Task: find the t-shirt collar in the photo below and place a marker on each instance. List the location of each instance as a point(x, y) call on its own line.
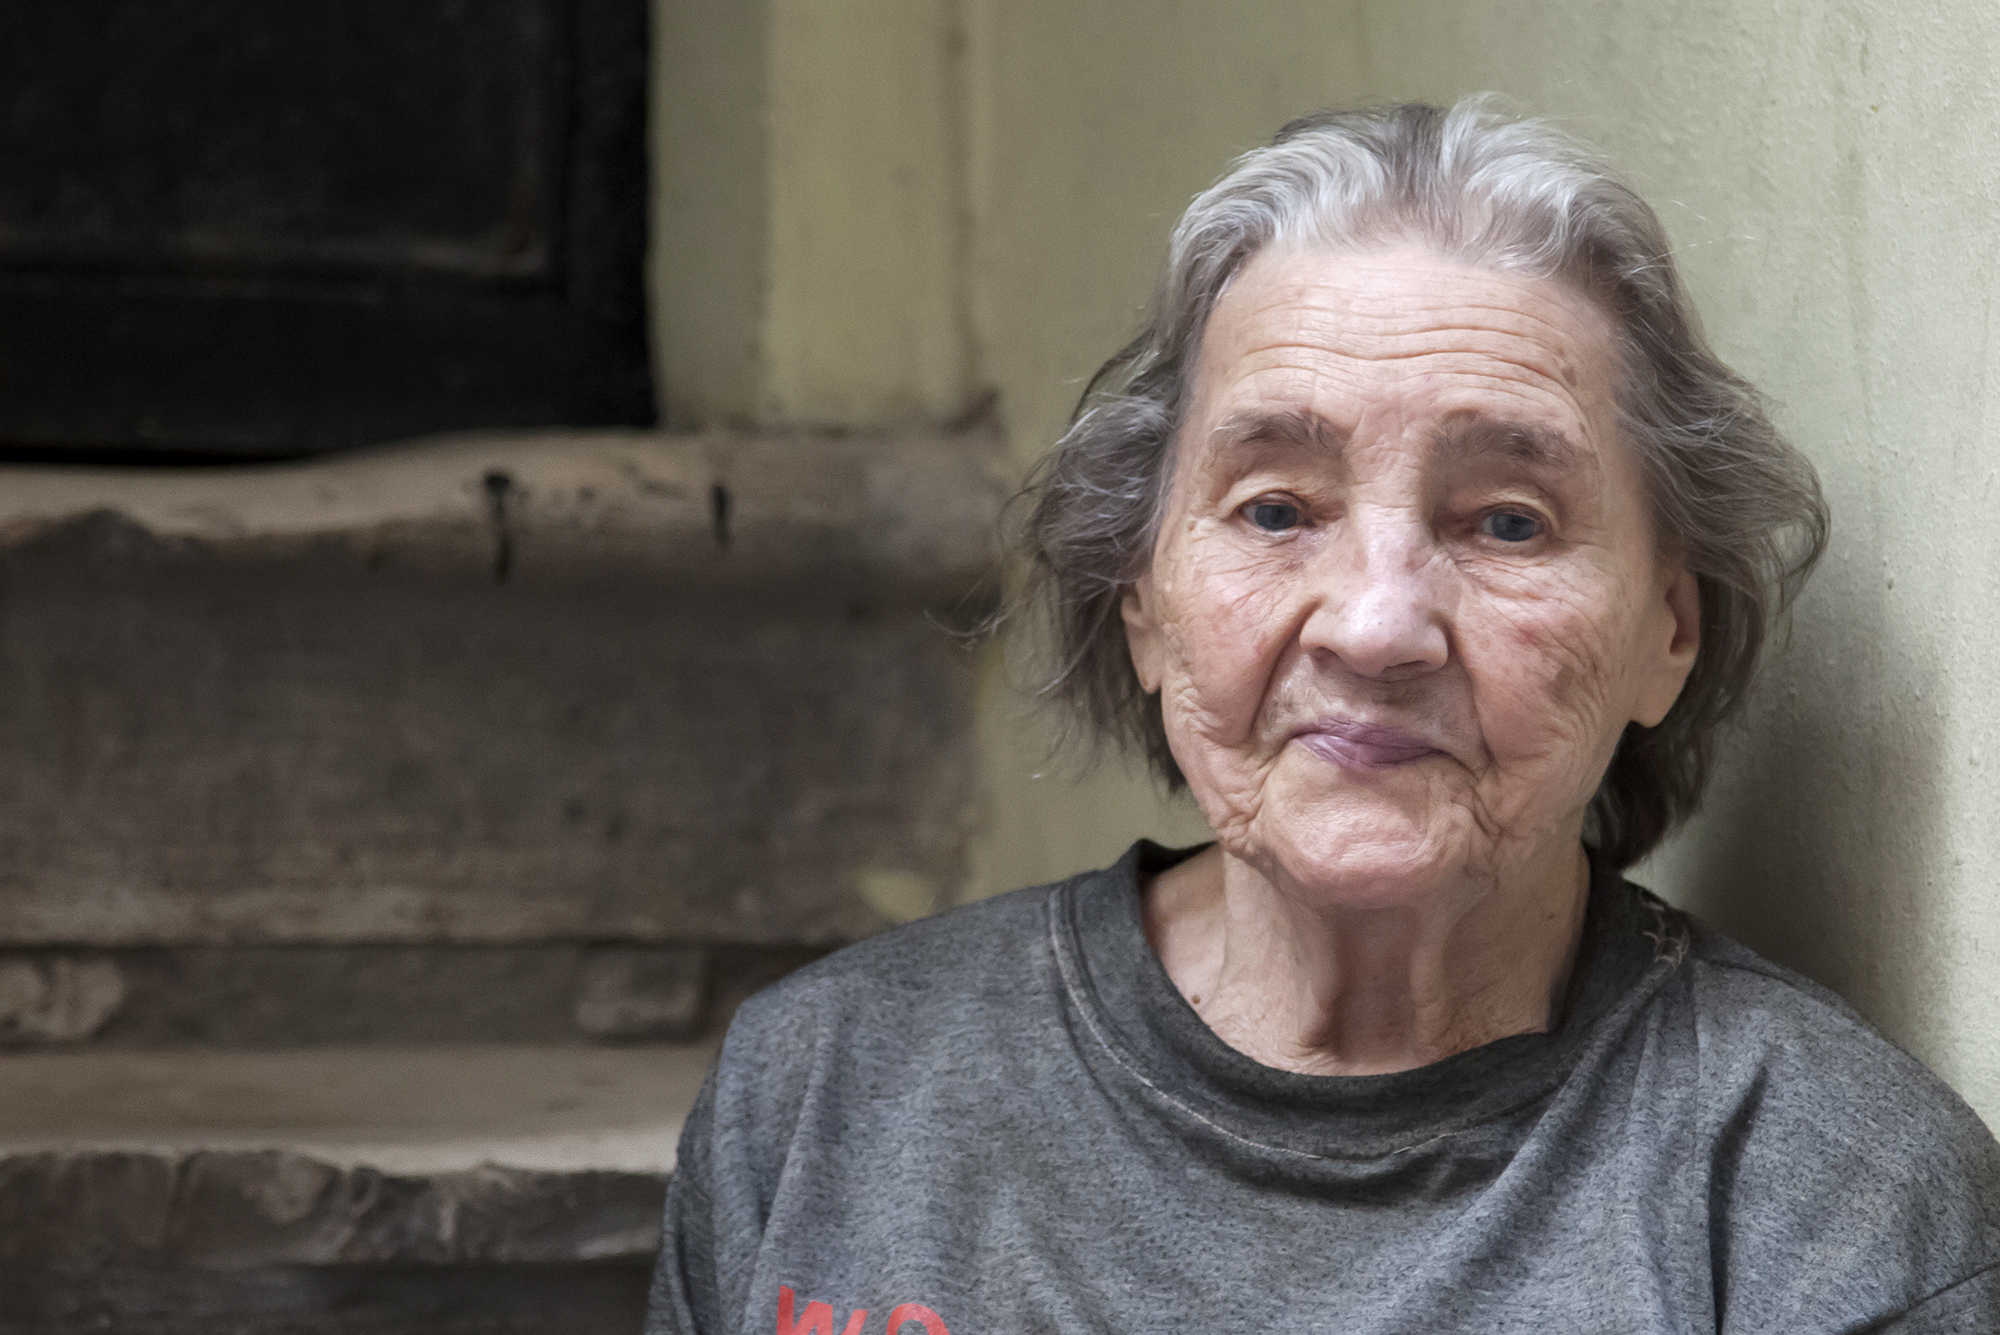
point(1122, 980)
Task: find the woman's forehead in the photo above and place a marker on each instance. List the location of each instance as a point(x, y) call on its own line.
point(1340, 332)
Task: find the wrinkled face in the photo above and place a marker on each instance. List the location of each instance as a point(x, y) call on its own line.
point(1405, 596)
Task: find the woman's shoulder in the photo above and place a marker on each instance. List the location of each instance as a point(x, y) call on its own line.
point(1767, 1027)
point(998, 951)
point(970, 973)
point(1826, 1133)
point(963, 949)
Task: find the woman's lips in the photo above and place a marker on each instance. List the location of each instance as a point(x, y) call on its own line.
point(1363, 745)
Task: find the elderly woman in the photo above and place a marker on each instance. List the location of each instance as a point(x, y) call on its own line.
point(1422, 538)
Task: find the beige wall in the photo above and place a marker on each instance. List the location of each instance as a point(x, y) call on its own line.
point(1093, 123)
point(1830, 174)
point(809, 197)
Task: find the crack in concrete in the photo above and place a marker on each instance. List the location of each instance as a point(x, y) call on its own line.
point(720, 502)
point(500, 488)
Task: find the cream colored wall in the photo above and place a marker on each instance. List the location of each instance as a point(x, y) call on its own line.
point(710, 207)
point(809, 260)
point(866, 319)
point(1830, 172)
point(1093, 123)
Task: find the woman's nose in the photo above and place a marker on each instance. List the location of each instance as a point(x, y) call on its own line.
point(1377, 601)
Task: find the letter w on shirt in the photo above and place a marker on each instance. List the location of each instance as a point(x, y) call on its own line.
point(818, 1318)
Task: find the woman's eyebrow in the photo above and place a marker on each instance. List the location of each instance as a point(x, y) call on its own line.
point(1289, 429)
point(1541, 448)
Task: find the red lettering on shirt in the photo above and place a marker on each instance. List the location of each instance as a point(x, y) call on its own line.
point(818, 1318)
point(932, 1322)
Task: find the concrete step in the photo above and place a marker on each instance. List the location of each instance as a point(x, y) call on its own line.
point(455, 1154)
point(661, 690)
point(300, 996)
point(512, 1299)
point(353, 807)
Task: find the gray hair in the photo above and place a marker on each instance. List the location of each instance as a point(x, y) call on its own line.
point(1730, 499)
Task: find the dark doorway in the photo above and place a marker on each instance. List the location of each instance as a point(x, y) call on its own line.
point(236, 229)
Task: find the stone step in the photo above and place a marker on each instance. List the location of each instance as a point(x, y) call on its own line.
point(490, 1189)
point(431, 1154)
point(287, 996)
point(590, 1298)
point(607, 686)
point(324, 777)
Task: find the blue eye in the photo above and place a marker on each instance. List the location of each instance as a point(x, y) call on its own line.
point(1511, 526)
point(1274, 516)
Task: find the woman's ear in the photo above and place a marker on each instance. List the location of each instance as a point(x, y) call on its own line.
point(1672, 640)
point(1139, 606)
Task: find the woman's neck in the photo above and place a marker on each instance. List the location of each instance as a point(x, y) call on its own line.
point(1302, 982)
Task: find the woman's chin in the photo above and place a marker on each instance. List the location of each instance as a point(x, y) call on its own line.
point(1361, 858)
point(1371, 878)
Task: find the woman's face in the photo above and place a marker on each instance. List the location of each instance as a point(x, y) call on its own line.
point(1405, 595)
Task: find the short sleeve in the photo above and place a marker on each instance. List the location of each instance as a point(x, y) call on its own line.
point(1851, 1190)
point(686, 1297)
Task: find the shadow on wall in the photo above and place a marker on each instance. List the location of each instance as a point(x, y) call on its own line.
point(1816, 845)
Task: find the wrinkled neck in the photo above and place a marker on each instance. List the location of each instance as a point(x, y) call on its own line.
point(1307, 979)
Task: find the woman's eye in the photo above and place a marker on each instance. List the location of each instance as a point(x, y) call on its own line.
point(1511, 526)
point(1274, 516)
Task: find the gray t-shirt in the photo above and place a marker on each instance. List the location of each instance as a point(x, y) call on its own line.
point(1006, 1119)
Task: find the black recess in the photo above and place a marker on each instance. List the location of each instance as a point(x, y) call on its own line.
point(239, 229)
